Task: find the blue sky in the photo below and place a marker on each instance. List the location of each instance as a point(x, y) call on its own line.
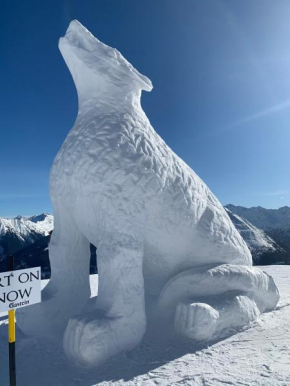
point(221, 97)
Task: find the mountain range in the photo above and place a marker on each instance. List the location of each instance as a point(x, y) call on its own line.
point(27, 239)
point(274, 222)
point(265, 249)
point(19, 232)
point(266, 232)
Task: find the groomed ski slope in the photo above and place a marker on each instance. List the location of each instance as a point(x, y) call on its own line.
point(259, 355)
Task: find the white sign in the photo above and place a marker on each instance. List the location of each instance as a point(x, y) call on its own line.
point(20, 288)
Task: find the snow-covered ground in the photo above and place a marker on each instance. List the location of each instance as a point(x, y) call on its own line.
point(258, 355)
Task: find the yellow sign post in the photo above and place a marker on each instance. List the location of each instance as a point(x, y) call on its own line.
point(11, 334)
point(11, 325)
point(20, 288)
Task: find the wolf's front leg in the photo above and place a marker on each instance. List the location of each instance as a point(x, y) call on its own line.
point(118, 320)
point(69, 287)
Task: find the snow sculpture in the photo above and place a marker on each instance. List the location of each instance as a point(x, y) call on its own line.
point(162, 238)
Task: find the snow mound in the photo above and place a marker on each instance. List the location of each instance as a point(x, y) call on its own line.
point(117, 185)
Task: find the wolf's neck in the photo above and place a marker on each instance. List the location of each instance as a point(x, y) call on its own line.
point(106, 103)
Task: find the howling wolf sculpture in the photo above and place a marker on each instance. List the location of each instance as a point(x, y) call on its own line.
point(166, 247)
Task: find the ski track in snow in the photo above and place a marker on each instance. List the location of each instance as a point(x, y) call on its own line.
point(258, 355)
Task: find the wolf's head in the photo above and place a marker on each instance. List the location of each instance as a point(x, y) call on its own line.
point(96, 68)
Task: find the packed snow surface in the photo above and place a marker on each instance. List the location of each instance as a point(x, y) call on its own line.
point(165, 244)
point(258, 355)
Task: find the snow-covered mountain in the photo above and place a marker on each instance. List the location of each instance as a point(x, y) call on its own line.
point(264, 218)
point(36, 255)
point(263, 248)
point(266, 232)
point(43, 221)
point(275, 222)
point(28, 238)
point(19, 232)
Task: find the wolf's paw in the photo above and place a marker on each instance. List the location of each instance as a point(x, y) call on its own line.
point(196, 321)
point(50, 317)
point(91, 341)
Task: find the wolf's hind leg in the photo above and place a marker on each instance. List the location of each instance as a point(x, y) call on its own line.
point(204, 322)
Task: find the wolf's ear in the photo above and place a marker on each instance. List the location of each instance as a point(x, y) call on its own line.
point(145, 82)
point(142, 80)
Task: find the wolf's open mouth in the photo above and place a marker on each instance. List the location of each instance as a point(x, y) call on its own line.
point(80, 37)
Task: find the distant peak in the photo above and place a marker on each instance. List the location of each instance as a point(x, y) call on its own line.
point(282, 208)
point(39, 217)
point(233, 206)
